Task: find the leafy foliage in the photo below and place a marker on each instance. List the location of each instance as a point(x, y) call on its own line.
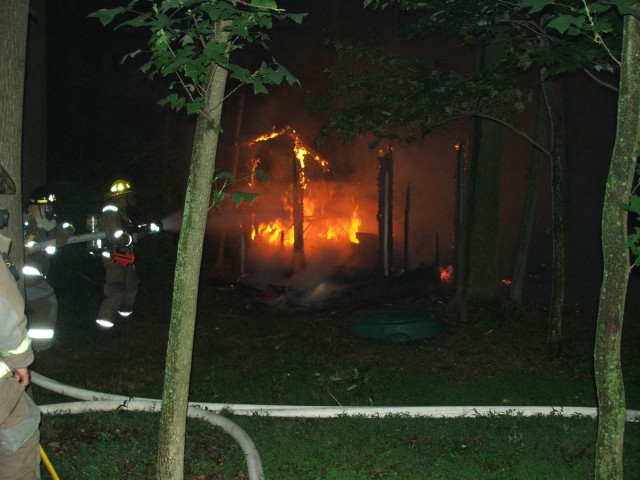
point(182, 43)
point(634, 238)
point(403, 97)
point(556, 35)
point(223, 180)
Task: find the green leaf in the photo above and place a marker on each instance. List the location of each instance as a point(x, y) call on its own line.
point(258, 87)
point(264, 4)
point(239, 197)
point(634, 204)
point(194, 107)
point(563, 22)
point(625, 7)
point(228, 176)
point(217, 197)
point(261, 175)
point(535, 5)
point(139, 21)
point(297, 17)
point(106, 15)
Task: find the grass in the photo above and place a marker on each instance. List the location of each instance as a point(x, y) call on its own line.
point(121, 445)
point(247, 353)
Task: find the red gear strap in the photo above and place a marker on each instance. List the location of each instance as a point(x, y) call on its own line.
point(123, 259)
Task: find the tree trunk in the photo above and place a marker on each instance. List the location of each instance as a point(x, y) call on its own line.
point(528, 210)
point(482, 205)
point(458, 235)
point(385, 212)
point(175, 395)
point(608, 369)
point(558, 180)
point(465, 191)
point(34, 136)
point(485, 224)
point(234, 172)
point(14, 15)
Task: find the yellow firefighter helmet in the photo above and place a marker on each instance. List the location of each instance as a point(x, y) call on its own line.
point(118, 188)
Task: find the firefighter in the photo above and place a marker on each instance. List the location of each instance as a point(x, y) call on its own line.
point(121, 279)
point(19, 416)
point(41, 224)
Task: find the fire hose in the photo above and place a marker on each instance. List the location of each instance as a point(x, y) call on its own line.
point(48, 465)
point(98, 401)
point(105, 402)
point(87, 237)
point(84, 237)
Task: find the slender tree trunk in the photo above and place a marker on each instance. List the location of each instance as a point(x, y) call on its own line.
point(14, 15)
point(528, 210)
point(558, 180)
point(297, 198)
point(608, 369)
point(407, 211)
point(234, 171)
point(458, 233)
point(466, 191)
point(385, 212)
point(175, 395)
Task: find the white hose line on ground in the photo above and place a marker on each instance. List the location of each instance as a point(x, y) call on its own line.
point(295, 411)
point(100, 402)
point(254, 465)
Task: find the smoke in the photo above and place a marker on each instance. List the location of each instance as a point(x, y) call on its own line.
point(173, 222)
point(349, 186)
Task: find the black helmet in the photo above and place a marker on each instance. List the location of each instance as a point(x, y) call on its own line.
point(42, 196)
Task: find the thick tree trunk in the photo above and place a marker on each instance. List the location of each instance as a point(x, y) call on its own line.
point(175, 396)
point(14, 15)
point(485, 224)
point(528, 210)
point(608, 369)
point(34, 137)
point(558, 180)
point(481, 216)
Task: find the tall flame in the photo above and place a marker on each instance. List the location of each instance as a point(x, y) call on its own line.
point(317, 225)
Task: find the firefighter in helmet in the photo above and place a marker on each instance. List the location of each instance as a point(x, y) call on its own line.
point(19, 416)
point(41, 225)
point(118, 257)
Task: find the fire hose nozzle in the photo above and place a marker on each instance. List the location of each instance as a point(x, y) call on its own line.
point(151, 227)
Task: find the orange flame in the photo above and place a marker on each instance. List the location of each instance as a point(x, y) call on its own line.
point(317, 226)
point(254, 164)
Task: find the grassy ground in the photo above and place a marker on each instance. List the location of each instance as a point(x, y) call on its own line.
point(246, 352)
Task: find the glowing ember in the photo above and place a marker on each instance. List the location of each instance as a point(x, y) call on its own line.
point(446, 274)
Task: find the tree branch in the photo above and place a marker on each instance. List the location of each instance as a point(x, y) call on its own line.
point(507, 125)
point(598, 81)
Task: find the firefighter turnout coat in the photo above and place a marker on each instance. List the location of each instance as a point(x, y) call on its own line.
point(19, 416)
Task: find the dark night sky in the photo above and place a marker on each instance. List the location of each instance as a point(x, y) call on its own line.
point(104, 123)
